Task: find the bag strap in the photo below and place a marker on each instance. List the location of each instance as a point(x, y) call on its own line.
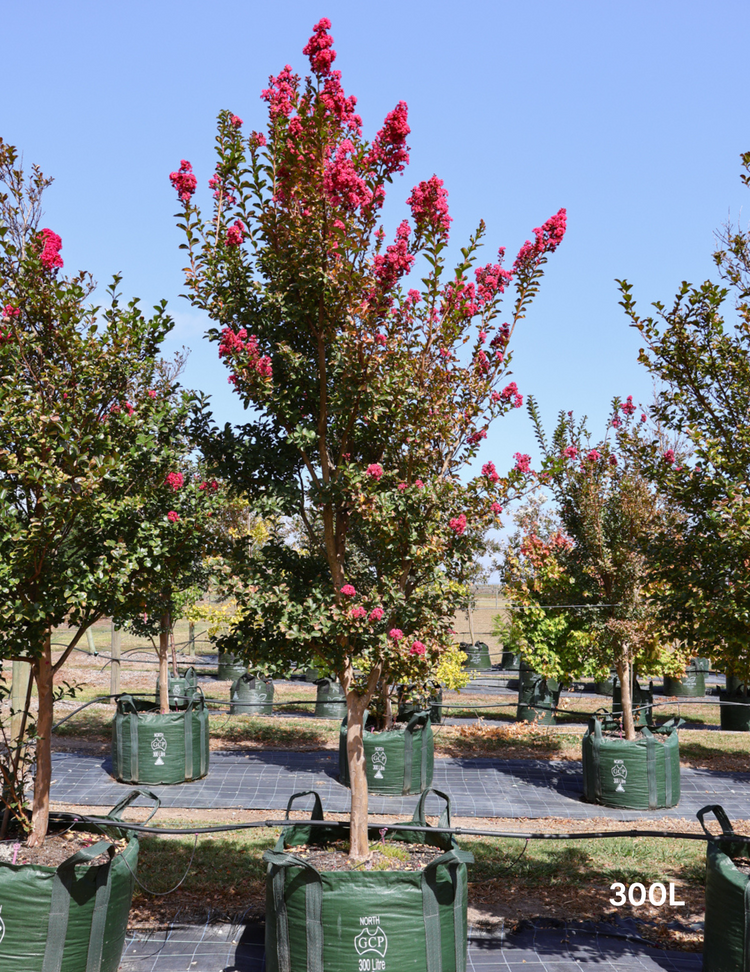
point(60, 909)
point(203, 722)
point(117, 810)
point(419, 815)
point(134, 743)
point(595, 734)
point(653, 797)
point(727, 830)
point(188, 735)
point(452, 859)
point(278, 862)
point(317, 810)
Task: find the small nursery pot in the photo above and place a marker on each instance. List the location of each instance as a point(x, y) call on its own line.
point(398, 762)
point(477, 655)
point(230, 667)
point(344, 921)
point(181, 688)
point(70, 918)
point(251, 695)
point(330, 699)
point(148, 747)
point(642, 774)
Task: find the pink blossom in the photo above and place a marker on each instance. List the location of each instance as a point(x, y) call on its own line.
point(342, 183)
point(320, 48)
point(389, 147)
point(643, 417)
point(381, 339)
point(396, 633)
point(235, 121)
point(175, 480)
point(628, 408)
point(257, 140)
point(401, 486)
point(668, 456)
point(348, 591)
point(429, 206)
point(357, 612)
point(280, 93)
point(235, 233)
point(523, 462)
point(184, 181)
point(476, 437)
point(612, 459)
point(419, 484)
point(151, 393)
point(172, 516)
point(593, 456)
point(417, 648)
point(127, 407)
point(482, 362)
point(9, 312)
point(511, 392)
point(488, 470)
point(396, 261)
point(570, 452)
point(616, 423)
point(376, 614)
point(492, 279)
point(496, 509)
point(375, 470)
point(547, 239)
point(338, 106)
point(458, 524)
point(115, 410)
point(51, 245)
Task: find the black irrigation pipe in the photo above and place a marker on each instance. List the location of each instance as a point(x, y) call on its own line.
point(65, 816)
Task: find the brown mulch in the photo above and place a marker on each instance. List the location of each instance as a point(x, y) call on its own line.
point(55, 849)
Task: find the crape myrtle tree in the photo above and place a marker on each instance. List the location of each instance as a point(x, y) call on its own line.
point(609, 515)
point(372, 396)
point(91, 437)
point(699, 350)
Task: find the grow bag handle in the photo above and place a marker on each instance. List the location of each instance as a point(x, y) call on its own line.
point(116, 812)
point(190, 672)
point(317, 810)
point(419, 718)
point(198, 696)
point(670, 726)
point(720, 813)
point(278, 861)
point(445, 817)
point(126, 703)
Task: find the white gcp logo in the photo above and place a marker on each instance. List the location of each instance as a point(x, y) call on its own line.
point(371, 940)
point(620, 774)
point(379, 759)
point(159, 747)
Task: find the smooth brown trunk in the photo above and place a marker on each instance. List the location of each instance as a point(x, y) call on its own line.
point(164, 663)
point(355, 753)
point(387, 707)
point(42, 670)
point(470, 619)
point(623, 673)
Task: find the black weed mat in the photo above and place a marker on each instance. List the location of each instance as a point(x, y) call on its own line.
point(543, 946)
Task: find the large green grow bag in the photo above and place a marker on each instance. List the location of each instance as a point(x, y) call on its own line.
point(330, 699)
point(510, 661)
point(537, 698)
point(640, 775)
point(148, 747)
point(251, 695)
point(606, 686)
point(230, 667)
point(734, 685)
point(366, 921)
point(691, 686)
point(477, 655)
point(734, 711)
point(181, 688)
point(642, 703)
point(71, 918)
point(398, 762)
point(726, 934)
point(414, 698)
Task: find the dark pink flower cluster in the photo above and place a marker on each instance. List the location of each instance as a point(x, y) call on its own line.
point(51, 246)
point(458, 524)
point(243, 345)
point(175, 480)
point(235, 121)
point(396, 261)
point(357, 612)
point(496, 508)
point(492, 279)
point(419, 484)
point(342, 183)
point(216, 182)
point(396, 633)
point(570, 452)
point(348, 591)
point(337, 105)
point(235, 233)
point(417, 648)
point(488, 470)
point(476, 437)
point(628, 407)
point(9, 312)
point(172, 516)
point(280, 93)
point(401, 487)
point(482, 362)
point(257, 140)
point(643, 417)
point(184, 181)
point(593, 456)
point(429, 206)
point(376, 614)
point(212, 486)
point(523, 462)
point(616, 423)
point(375, 470)
point(668, 457)
point(389, 148)
point(320, 48)
point(128, 408)
point(511, 392)
point(612, 459)
point(151, 393)
point(547, 239)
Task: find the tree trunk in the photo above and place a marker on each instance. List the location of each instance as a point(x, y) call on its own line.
point(355, 753)
point(164, 663)
point(42, 670)
point(387, 707)
point(622, 668)
point(470, 619)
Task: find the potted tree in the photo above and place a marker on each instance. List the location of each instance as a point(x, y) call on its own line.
point(370, 397)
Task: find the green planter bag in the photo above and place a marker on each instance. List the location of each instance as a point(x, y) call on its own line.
point(734, 711)
point(477, 655)
point(330, 701)
point(643, 700)
point(510, 662)
point(726, 935)
point(230, 667)
point(251, 695)
point(312, 674)
point(148, 747)
point(606, 686)
point(691, 686)
point(410, 702)
point(70, 918)
point(537, 698)
point(734, 685)
point(181, 688)
point(347, 921)
point(398, 762)
point(640, 775)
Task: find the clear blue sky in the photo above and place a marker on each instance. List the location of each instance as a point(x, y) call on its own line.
point(632, 116)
